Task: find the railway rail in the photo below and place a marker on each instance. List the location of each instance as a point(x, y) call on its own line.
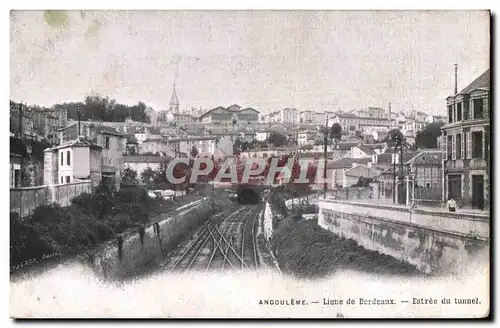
point(225, 242)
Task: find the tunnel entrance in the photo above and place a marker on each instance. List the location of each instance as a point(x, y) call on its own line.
point(248, 196)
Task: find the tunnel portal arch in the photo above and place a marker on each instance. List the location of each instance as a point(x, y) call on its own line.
point(248, 195)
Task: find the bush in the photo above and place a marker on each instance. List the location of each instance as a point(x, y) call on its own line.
point(89, 220)
point(305, 250)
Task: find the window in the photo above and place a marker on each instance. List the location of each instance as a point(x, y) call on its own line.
point(106, 142)
point(68, 158)
point(468, 141)
point(477, 144)
point(450, 114)
point(478, 108)
point(67, 179)
point(466, 110)
point(62, 158)
point(459, 111)
point(453, 146)
point(444, 147)
point(458, 145)
point(449, 147)
point(62, 180)
point(462, 146)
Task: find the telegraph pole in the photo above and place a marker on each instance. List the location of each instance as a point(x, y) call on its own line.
point(394, 175)
point(79, 119)
point(325, 153)
point(20, 134)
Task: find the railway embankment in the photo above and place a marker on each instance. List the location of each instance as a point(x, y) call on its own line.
point(131, 252)
point(305, 250)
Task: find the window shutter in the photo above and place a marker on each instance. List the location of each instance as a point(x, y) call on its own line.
point(453, 147)
point(468, 145)
point(484, 144)
point(462, 145)
point(445, 147)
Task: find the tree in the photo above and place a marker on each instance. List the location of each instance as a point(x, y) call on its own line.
point(393, 137)
point(148, 175)
point(336, 131)
point(277, 139)
point(129, 177)
point(194, 151)
point(427, 138)
point(358, 134)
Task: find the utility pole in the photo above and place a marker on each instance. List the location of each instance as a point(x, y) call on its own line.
point(456, 79)
point(325, 153)
point(20, 134)
point(394, 175)
point(79, 119)
point(401, 176)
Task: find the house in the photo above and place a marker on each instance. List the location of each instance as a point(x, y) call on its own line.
point(466, 144)
point(231, 115)
point(361, 151)
point(336, 169)
point(78, 159)
point(205, 145)
point(351, 176)
point(110, 141)
point(305, 135)
point(426, 169)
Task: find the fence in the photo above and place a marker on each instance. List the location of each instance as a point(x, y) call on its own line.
point(25, 201)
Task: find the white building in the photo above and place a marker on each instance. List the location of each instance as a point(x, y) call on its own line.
point(77, 159)
point(304, 136)
point(262, 136)
point(412, 126)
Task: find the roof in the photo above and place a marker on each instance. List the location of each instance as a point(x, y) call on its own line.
point(143, 159)
point(385, 158)
point(98, 128)
point(482, 82)
point(347, 162)
point(375, 145)
point(131, 140)
point(107, 130)
point(344, 145)
point(153, 139)
point(78, 142)
point(232, 109)
point(366, 150)
point(174, 101)
point(361, 170)
point(427, 157)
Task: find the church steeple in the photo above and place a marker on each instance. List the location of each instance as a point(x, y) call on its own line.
point(174, 103)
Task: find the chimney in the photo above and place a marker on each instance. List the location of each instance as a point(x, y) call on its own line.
point(456, 79)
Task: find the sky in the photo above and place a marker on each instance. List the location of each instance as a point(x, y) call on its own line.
point(267, 60)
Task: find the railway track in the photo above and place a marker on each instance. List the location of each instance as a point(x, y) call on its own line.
point(225, 242)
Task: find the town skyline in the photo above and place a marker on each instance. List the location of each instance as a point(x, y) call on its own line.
point(223, 58)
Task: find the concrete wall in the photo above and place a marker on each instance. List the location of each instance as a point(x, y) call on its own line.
point(132, 251)
point(433, 242)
